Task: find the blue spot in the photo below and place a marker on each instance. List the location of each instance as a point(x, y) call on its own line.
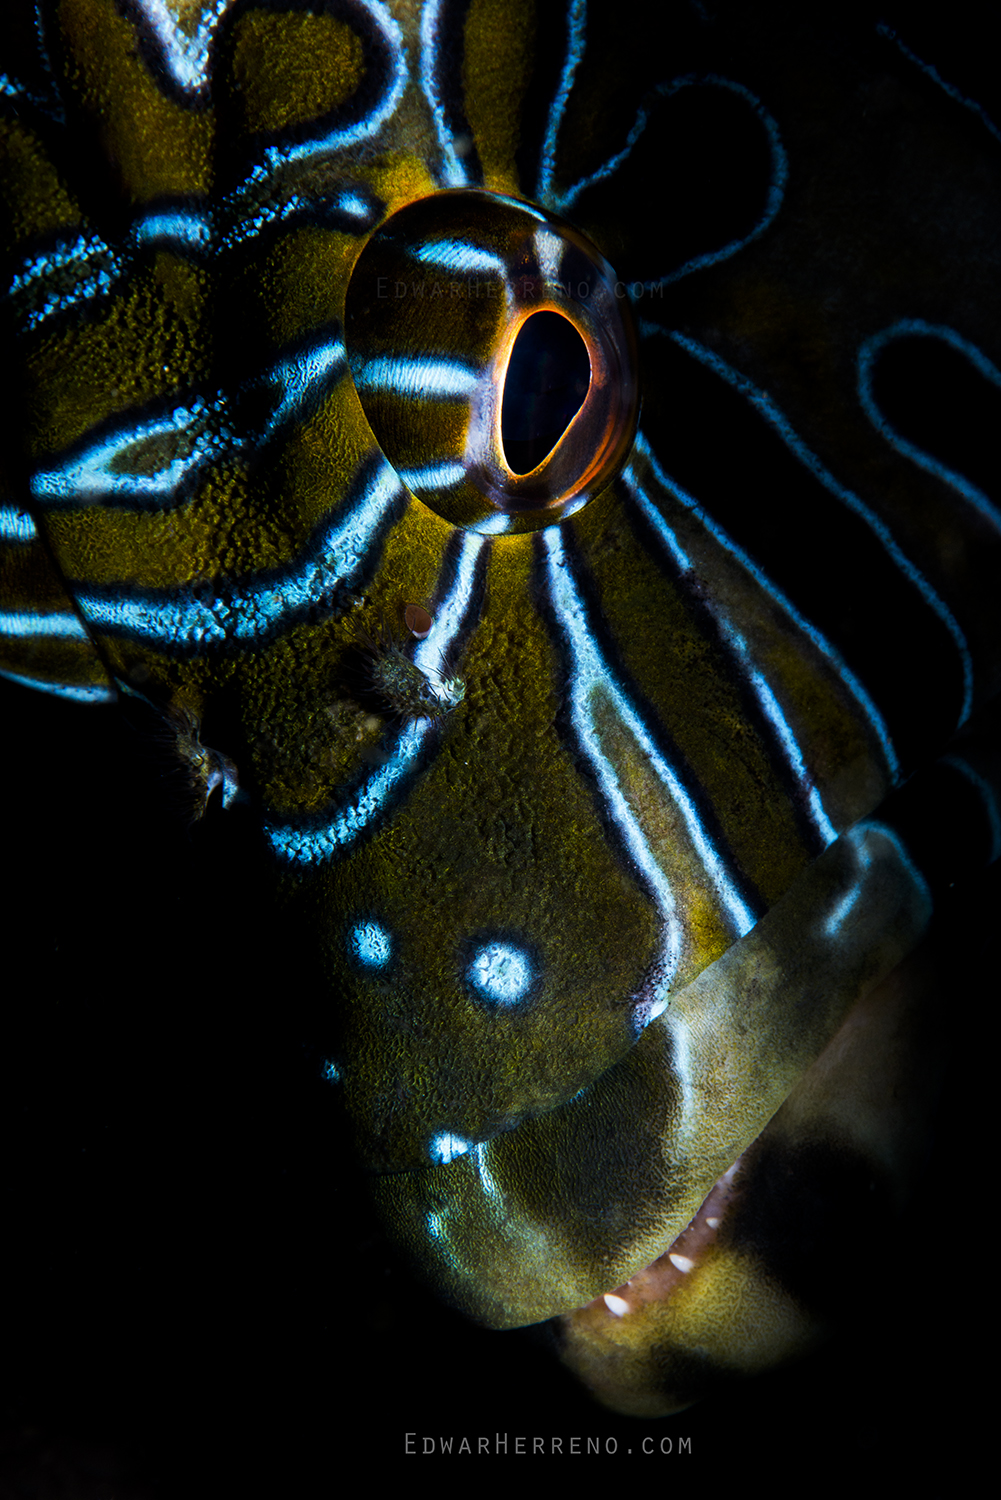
point(370, 945)
point(501, 973)
point(331, 1072)
point(446, 1147)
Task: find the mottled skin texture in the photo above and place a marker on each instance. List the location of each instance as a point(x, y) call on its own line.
point(495, 831)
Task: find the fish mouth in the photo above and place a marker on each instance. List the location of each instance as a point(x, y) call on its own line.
point(760, 1274)
point(576, 1204)
point(657, 1281)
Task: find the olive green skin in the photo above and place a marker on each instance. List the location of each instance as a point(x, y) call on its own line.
point(504, 831)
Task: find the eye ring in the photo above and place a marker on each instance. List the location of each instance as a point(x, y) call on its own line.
point(440, 302)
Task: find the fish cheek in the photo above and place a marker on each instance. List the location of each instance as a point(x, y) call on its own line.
point(462, 995)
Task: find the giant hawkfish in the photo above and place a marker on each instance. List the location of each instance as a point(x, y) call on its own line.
point(528, 467)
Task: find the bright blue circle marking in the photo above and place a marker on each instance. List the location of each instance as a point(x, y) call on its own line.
point(501, 973)
point(370, 945)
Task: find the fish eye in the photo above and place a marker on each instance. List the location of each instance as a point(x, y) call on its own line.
point(493, 359)
point(547, 381)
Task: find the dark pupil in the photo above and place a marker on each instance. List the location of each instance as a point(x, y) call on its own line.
point(547, 380)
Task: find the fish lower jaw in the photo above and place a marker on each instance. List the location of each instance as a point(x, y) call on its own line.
point(657, 1281)
point(755, 1279)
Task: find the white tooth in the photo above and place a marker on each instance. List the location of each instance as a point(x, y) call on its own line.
point(616, 1305)
point(713, 1223)
point(681, 1261)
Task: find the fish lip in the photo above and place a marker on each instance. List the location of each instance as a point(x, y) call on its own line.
point(534, 1225)
point(660, 1278)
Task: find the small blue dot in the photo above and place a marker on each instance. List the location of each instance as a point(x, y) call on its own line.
point(370, 945)
point(501, 973)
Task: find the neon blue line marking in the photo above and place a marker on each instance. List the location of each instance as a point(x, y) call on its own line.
point(63, 626)
point(446, 1147)
point(277, 210)
point(776, 186)
point(421, 379)
point(436, 1227)
point(461, 258)
point(185, 57)
point(936, 77)
point(432, 650)
point(354, 205)
point(867, 354)
point(370, 945)
point(190, 228)
point(549, 247)
point(487, 1180)
point(989, 794)
point(89, 258)
point(772, 710)
point(62, 689)
point(271, 213)
point(200, 427)
point(84, 291)
point(834, 657)
point(856, 837)
point(681, 1056)
point(91, 477)
point(501, 973)
point(496, 525)
point(316, 846)
point(665, 533)
point(16, 525)
point(302, 377)
point(763, 404)
point(863, 859)
point(73, 254)
point(522, 205)
point(454, 174)
point(433, 477)
point(767, 700)
point(589, 672)
point(575, 52)
point(252, 610)
point(313, 846)
point(276, 156)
